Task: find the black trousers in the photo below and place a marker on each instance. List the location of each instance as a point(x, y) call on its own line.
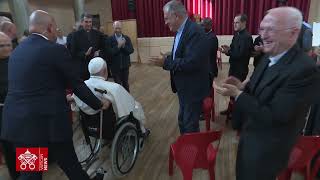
point(122, 77)
point(64, 154)
point(8, 152)
point(189, 116)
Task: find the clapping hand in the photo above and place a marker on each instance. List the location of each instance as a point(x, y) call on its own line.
point(97, 53)
point(121, 42)
point(88, 51)
point(224, 49)
point(69, 98)
point(159, 61)
point(230, 87)
point(236, 82)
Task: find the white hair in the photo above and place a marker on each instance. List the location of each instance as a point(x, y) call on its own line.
point(175, 6)
point(292, 16)
point(116, 22)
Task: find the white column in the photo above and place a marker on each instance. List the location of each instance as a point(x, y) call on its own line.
point(20, 13)
point(78, 8)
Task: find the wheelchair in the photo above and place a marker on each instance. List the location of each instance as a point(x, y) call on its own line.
point(123, 134)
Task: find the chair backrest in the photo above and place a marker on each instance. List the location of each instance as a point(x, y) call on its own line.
point(304, 151)
point(190, 150)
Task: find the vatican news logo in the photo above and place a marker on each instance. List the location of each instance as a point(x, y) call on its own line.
point(32, 159)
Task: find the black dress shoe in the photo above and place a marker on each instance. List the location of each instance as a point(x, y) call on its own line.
point(99, 174)
point(147, 133)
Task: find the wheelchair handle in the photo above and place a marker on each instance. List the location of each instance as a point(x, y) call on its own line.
point(101, 91)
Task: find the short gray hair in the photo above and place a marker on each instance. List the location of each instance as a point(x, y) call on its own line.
point(291, 15)
point(175, 6)
point(6, 26)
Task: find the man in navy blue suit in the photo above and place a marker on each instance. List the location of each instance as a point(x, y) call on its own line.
point(188, 65)
point(36, 111)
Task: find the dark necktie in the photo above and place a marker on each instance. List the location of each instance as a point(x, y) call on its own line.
point(266, 66)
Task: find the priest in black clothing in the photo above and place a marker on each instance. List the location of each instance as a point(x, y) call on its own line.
point(86, 43)
point(213, 40)
point(239, 51)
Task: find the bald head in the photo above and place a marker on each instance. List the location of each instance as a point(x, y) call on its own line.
point(9, 29)
point(280, 29)
point(5, 45)
point(117, 27)
point(43, 23)
point(117, 24)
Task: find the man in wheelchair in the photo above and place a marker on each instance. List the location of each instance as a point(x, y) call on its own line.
point(122, 102)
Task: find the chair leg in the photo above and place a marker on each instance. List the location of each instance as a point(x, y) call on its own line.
point(307, 172)
point(213, 112)
point(208, 123)
point(316, 168)
point(170, 163)
point(211, 172)
point(187, 175)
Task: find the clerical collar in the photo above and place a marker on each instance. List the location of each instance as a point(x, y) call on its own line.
point(41, 35)
point(241, 31)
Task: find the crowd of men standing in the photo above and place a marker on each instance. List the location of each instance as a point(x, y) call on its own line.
point(87, 42)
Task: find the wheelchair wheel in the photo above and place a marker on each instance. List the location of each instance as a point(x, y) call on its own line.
point(124, 149)
point(84, 146)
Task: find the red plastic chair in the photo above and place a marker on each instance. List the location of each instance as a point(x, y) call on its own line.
point(208, 109)
point(194, 150)
point(301, 156)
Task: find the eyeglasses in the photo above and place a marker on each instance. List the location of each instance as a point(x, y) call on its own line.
point(272, 30)
point(5, 45)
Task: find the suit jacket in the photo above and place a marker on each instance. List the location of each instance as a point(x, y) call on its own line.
point(69, 37)
point(189, 70)
point(36, 110)
point(214, 44)
point(240, 53)
point(119, 58)
point(81, 41)
point(272, 110)
point(3, 79)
